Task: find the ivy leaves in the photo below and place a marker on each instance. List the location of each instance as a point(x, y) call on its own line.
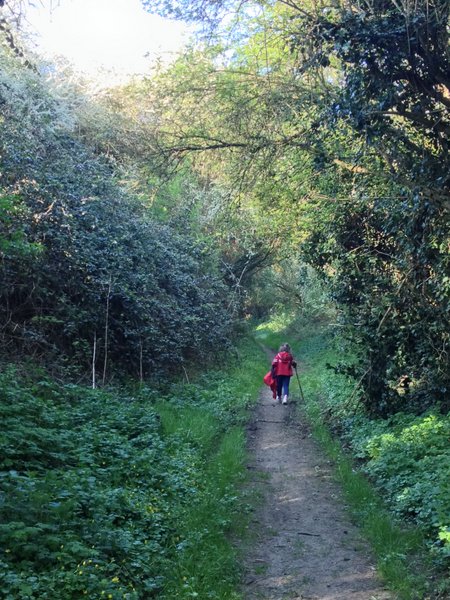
point(81, 258)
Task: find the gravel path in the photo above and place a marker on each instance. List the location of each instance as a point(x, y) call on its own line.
point(303, 544)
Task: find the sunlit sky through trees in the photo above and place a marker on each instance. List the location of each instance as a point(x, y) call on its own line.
point(117, 36)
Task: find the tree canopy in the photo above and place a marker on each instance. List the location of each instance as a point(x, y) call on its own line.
point(293, 134)
point(334, 119)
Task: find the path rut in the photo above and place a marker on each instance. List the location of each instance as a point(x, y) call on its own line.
point(304, 546)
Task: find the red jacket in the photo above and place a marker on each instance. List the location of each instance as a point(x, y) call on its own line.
point(282, 364)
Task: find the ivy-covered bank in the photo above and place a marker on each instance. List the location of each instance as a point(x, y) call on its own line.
point(115, 494)
point(394, 471)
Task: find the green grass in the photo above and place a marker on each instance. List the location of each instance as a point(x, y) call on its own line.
point(193, 425)
point(272, 333)
point(206, 564)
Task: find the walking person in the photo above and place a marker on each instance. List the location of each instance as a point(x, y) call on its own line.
point(282, 371)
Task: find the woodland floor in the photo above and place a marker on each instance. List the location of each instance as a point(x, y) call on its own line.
point(303, 545)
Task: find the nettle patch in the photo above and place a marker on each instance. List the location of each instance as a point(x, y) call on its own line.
point(91, 493)
point(81, 479)
point(108, 494)
point(408, 458)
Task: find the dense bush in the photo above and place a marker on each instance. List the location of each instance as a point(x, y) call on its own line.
point(384, 242)
point(386, 266)
point(408, 458)
point(80, 258)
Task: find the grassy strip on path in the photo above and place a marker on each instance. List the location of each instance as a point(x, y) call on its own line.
point(411, 565)
point(111, 494)
point(209, 417)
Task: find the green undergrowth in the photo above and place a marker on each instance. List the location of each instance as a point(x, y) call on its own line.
point(114, 494)
point(273, 333)
point(394, 472)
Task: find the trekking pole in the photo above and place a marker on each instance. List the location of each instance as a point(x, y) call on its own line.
point(299, 386)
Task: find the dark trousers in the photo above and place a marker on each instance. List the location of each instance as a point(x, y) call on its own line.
point(283, 385)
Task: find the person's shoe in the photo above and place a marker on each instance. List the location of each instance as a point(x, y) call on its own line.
point(279, 399)
point(284, 399)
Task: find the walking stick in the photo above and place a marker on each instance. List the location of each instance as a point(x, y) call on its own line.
point(299, 386)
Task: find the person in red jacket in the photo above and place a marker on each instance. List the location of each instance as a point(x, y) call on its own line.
point(282, 371)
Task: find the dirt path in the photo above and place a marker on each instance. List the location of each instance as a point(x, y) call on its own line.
point(303, 546)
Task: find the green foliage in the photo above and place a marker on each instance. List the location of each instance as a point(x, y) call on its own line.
point(290, 285)
point(146, 292)
point(273, 333)
point(106, 494)
point(408, 457)
point(394, 293)
point(12, 238)
point(86, 492)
